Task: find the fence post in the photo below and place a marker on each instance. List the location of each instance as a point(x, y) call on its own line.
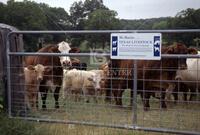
point(11, 96)
point(134, 93)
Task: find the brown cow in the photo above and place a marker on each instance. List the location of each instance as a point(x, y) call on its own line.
point(52, 78)
point(149, 75)
point(33, 75)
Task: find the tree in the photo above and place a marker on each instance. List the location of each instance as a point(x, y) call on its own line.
point(160, 25)
point(2, 11)
point(80, 11)
point(57, 18)
point(186, 19)
point(92, 5)
point(28, 15)
point(76, 14)
point(25, 16)
point(102, 19)
point(79, 14)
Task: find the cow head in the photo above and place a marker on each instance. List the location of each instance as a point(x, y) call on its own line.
point(64, 48)
point(37, 71)
point(180, 49)
point(95, 79)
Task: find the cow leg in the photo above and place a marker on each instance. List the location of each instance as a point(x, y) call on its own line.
point(162, 100)
point(56, 96)
point(119, 97)
point(43, 92)
point(185, 96)
point(44, 97)
point(28, 100)
point(115, 94)
point(108, 92)
point(192, 93)
point(145, 98)
point(37, 101)
point(34, 101)
point(175, 94)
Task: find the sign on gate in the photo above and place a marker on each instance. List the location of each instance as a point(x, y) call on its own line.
point(140, 46)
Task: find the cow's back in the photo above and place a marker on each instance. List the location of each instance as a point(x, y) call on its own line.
point(44, 60)
point(192, 72)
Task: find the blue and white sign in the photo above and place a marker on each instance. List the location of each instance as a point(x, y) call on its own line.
point(138, 46)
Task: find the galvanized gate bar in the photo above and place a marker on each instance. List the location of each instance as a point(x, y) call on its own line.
point(107, 31)
point(94, 54)
point(134, 127)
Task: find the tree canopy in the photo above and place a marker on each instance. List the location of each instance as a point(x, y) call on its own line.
point(90, 15)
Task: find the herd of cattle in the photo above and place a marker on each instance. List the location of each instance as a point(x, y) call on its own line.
point(44, 73)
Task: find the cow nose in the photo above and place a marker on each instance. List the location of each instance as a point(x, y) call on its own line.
point(66, 63)
point(39, 79)
point(98, 89)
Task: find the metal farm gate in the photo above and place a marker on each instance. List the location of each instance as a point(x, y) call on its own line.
point(180, 118)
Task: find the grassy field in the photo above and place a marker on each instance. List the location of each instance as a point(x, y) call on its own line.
point(21, 127)
point(181, 116)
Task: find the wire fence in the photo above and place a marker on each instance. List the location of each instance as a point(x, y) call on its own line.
point(117, 103)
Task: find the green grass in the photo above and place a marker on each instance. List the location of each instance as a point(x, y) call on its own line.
point(178, 117)
point(18, 127)
point(13, 126)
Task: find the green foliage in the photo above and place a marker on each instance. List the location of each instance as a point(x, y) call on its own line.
point(76, 14)
point(18, 127)
point(186, 19)
point(85, 45)
point(57, 18)
point(89, 15)
point(160, 25)
point(102, 19)
point(29, 15)
point(143, 24)
point(25, 15)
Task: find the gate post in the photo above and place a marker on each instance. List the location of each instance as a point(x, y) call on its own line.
point(12, 95)
point(134, 93)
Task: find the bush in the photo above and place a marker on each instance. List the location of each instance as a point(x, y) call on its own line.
point(14, 126)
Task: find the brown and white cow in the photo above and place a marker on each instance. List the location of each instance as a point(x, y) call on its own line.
point(52, 78)
point(152, 75)
point(188, 80)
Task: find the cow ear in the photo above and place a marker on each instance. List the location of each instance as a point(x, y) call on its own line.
point(31, 67)
point(192, 51)
point(74, 50)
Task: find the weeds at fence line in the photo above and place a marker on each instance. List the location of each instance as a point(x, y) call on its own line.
point(21, 127)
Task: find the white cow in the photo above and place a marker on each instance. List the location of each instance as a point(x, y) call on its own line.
point(79, 81)
point(191, 76)
point(102, 74)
